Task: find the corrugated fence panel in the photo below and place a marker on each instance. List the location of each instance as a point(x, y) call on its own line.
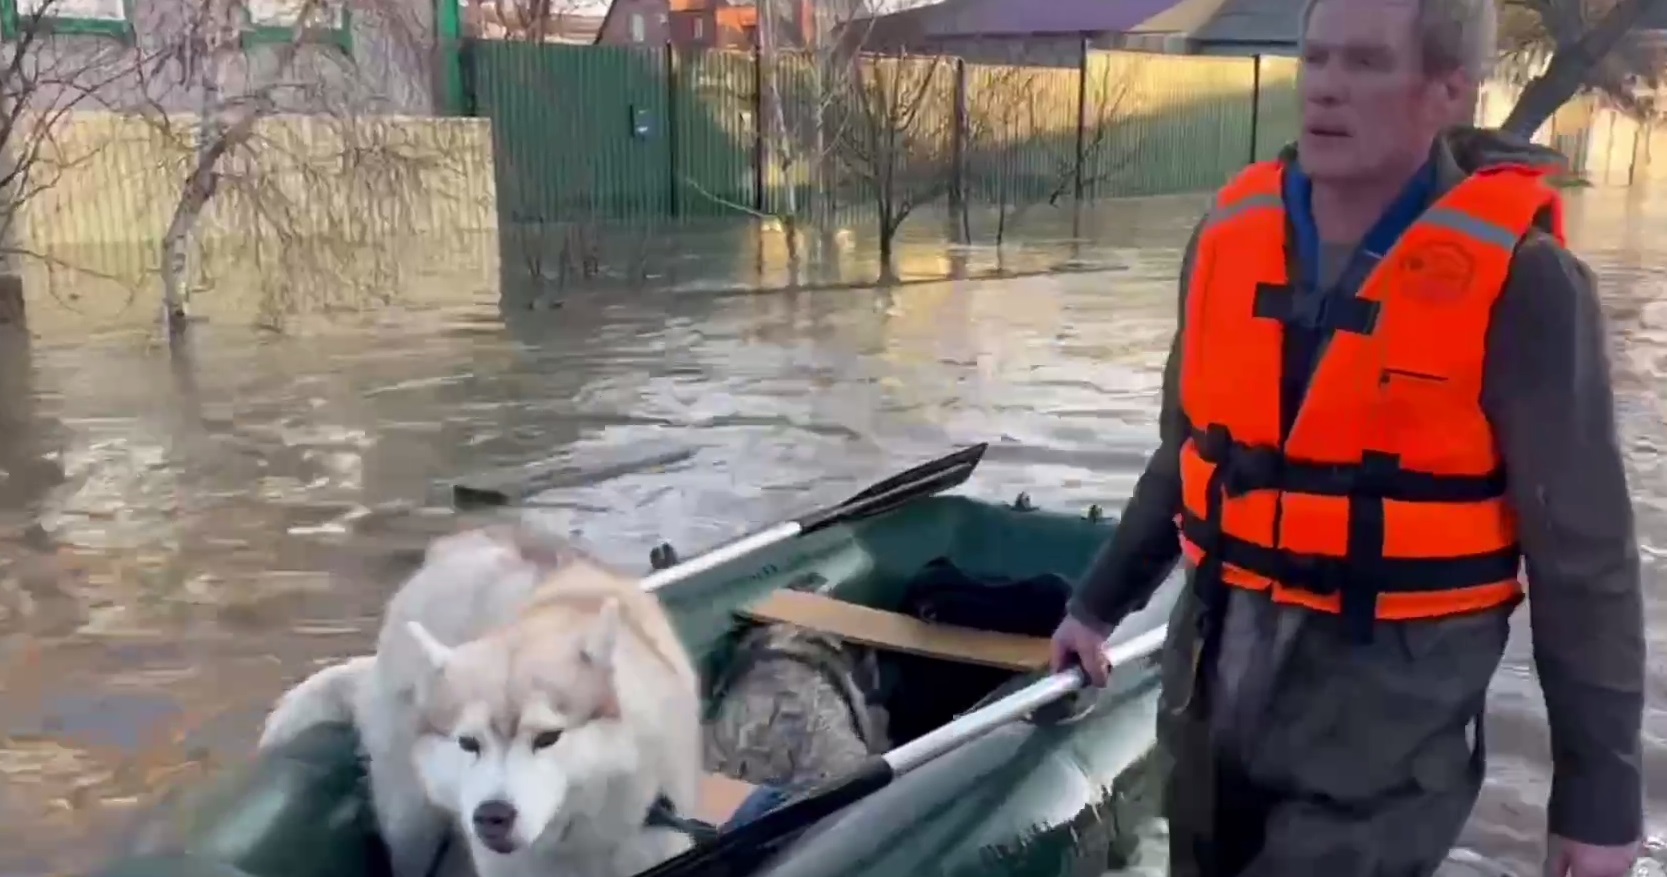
point(801, 89)
point(905, 134)
point(578, 131)
point(1021, 133)
point(583, 133)
point(886, 125)
point(1166, 123)
point(105, 185)
point(716, 139)
point(1278, 109)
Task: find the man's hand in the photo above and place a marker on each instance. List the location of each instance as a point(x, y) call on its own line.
point(1568, 858)
point(1076, 641)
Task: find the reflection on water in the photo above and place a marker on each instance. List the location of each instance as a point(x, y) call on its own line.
point(178, 541)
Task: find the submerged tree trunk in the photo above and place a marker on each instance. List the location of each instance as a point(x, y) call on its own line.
point(12, 185)
point(784, 148)
point(888, 226)
point(208, 146)
point(1570, 65)
point(888, 267)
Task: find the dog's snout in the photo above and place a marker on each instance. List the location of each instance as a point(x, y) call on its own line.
point(493, 820)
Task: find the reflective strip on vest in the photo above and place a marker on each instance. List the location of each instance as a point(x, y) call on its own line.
point(1386, 499)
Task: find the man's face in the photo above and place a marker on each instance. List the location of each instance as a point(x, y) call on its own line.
point(1367, 106)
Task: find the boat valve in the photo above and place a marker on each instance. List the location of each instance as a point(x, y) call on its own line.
point(662, 556)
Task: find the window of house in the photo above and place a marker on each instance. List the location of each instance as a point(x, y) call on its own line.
point(637, 34)
point(276, 20)
point(700, 28)
point(113, 17)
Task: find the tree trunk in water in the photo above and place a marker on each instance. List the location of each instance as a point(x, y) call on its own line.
point(888, 234)
point(11, 271)
point(784, 147)
point(1569, 66)
point(176, 256)
point(193, 197)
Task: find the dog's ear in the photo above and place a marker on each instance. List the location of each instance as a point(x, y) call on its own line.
point(603, 636)
point(438, 653)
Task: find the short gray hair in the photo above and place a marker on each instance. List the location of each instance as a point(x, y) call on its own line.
point(1453, 35)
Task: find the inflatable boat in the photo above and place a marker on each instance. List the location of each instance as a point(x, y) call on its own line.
point(994, 767)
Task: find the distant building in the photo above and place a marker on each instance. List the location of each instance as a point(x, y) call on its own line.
point(1050, 32)
point(1249, 27)
point(1054, 31)
point(517, 20)
point(712, 24)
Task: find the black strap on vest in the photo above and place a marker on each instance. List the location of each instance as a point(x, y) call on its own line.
point(1316, 310)
point(1364, 573)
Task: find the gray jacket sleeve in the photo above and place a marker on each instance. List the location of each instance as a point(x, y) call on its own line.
point(1547, 393)
point(1145, 545)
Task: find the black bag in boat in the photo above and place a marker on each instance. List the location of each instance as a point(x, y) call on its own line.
point(943, 593)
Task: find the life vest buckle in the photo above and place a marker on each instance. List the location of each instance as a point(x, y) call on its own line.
point(1253, 468)
point(1309, 309)
point(1243, 468)
point(1316, 575)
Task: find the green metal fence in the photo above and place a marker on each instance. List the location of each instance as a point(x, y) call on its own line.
point(627, 133)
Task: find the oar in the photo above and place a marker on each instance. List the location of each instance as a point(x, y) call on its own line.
point(924, 480)
point(738, 851)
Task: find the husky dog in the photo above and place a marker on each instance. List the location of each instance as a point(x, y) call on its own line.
point(540, 702)
point(794, 709)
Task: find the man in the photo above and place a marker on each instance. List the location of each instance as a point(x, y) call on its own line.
point(1389, 387)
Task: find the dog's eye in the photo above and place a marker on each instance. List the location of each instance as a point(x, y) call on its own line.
point(470, 745)
point(545, 738)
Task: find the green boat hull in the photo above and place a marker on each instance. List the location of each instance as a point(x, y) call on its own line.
point(1060, 795)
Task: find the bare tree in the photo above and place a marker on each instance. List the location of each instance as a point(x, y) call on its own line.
point(896, 144)
point(1581, 44)
point(799, 101)
point(804, 55)
point(43, 80)
point(1039, 135)
point(304, 203)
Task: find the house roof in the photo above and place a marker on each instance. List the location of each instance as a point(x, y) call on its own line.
point(1253, 21)
point(974, 18)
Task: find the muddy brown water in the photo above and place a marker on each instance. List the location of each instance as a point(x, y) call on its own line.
point(180, 541)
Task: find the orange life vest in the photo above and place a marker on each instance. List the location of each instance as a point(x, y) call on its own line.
point(1386, 499)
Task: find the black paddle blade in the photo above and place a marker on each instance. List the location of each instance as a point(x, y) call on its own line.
point(926, 479)
point(741, 850)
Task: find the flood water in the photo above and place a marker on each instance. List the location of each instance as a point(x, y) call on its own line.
point(180, 541)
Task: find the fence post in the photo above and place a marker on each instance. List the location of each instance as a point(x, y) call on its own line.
point(958, 144)
point(1082, 118)
point(1255, 103)
point(759, 154)
point(448, 46)
point(674, 184)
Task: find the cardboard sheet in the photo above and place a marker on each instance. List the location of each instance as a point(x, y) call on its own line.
point(901, 633)
point(720, 796)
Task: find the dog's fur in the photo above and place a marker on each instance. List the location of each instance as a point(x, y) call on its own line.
point(514, 672)
point(795, 708)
